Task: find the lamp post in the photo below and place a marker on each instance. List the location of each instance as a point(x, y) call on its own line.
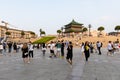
point(62, 30)
point(89, 26)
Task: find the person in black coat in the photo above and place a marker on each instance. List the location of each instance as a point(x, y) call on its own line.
point(62, 48)
point(9, 47)
point(25, 53)
point(70, 53)
point(86, 50)
point(43, 48)
point(15, 47)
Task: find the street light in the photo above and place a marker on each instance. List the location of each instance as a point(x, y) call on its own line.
point(89, 26)
point(62, 30)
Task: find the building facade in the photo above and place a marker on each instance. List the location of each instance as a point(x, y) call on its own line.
point(114, 33)
point(15, 33)
point(73, 28)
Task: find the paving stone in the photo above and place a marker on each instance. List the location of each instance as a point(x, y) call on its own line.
point(99, 67)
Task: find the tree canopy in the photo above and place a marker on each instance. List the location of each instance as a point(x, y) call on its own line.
point(101, 28)
point(43, 32)
point(59, 31)
point(8, 33)
point(84, 29)
point(117, 28)
point(32, 33)
point(22, 33)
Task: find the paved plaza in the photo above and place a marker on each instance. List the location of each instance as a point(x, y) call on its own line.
point(99, 67)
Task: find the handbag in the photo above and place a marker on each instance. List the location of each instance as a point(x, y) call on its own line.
point(26, 53)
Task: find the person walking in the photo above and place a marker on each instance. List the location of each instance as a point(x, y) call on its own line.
point(86, 50)
point(94, 48)
point(99, 45)
point(110, 48)
point(91, 47)
point(43, 48)
point(82, 48)
point(25, 53)
point(58, 46)
point(1, 48)
point(30, 48)
point(15, 47)
point(9, 48)
point(52, 46)
point(4, 46)
point(62, 48)
point(69, 53)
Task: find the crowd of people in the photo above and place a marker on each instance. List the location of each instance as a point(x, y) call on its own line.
point(56, 49)
point(91, 47)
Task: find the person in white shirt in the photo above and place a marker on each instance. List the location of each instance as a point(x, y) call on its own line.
point(99, 45)
point(82, 48)
point(116, 45)
point(30, 49)
point(52, 46)
point(1, 48)
point(110, 48)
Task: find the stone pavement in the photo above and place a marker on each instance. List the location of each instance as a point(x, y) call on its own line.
point(99, 67)
point(102, 67)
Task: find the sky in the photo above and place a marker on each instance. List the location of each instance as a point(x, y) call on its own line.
point(51, 15)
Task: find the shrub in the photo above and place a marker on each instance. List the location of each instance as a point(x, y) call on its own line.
point(43, 40)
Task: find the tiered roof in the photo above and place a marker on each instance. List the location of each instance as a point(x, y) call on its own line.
point(73, 22)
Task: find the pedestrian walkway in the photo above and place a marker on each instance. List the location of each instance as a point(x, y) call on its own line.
point(99, 67)
point(102, 67)
point(40, 68)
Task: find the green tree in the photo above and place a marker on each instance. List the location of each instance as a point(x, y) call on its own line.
point(43, 33)
point(59, 31)
point(22, 33)
point(101, 28)
point(32, 33)
point(117, 28)
point(40, 32)
point(8, 33)
point(84, 29)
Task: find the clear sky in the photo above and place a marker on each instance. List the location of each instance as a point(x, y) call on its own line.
point(51, 15)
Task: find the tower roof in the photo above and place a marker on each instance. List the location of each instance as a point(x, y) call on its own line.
point(73, 22)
